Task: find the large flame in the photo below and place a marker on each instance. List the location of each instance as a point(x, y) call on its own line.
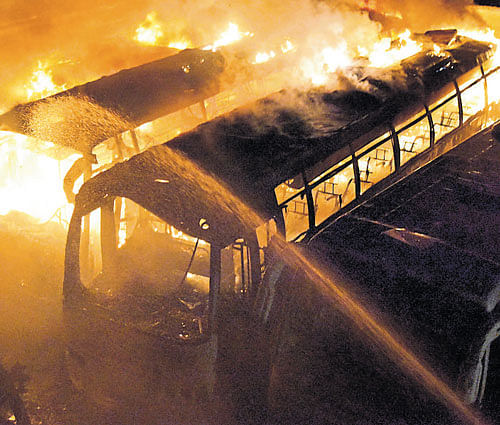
point(316, 58)
point(488, 35)
point(180, 44)
point(41, 83)
point(262, 57)
point(318, 69)
point(150, 31)
point(387, 51)
point(231, 35)
point(32, 182)
point(383, 52)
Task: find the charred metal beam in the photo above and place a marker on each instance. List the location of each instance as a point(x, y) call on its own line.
point(108, 236)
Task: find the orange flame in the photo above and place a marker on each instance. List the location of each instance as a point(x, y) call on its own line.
point(317, 70)
point(488, 35)
point(30, 182)
point(150, 31)
point(231, 35)
point(287, 46)
point(180, 44)
point(387, 52)
point(262, 57)
point(41, 83)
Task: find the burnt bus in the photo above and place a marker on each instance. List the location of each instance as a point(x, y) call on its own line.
point(425, 254)
point(136, 95)
point(175, 303)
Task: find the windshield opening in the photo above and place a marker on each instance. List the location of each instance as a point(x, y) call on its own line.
point(146, 272)
point(155, 277)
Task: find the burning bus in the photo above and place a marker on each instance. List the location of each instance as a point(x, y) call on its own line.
point(425, 254)
point(83, 117)
point(90, 126)
point(158, 312)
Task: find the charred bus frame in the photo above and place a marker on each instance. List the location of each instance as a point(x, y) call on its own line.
point(255, 168)
point(441, 135)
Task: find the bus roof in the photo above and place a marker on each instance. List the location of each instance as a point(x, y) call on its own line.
point(255, 148)
point(135, 96)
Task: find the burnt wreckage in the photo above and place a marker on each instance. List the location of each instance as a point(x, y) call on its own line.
point(425, 251)
point(175, 316)
point(11, 384)
point(136, 95)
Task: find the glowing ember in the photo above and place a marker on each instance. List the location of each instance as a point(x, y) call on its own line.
point(41, 83)
point(149, 32)
point(387, 52)
point(231, 35)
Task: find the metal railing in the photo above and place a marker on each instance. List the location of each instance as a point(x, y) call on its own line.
point(349, 180)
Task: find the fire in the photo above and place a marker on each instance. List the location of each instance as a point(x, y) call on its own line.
point(31, 182)
point(177, 234)
point(318, 69)
point(387, 52)
point(262, 57)
point(41, 83)
point(437, 49)
point(382, 53)
point(480, 35)
point(487, 35)
point(231, 35)
point(180, 44)
point(150, 31)
point(287, 46)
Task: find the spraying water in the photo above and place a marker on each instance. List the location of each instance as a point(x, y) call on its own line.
point(328, 283)
point(340, 297)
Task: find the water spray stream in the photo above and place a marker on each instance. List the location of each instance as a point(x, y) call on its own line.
point(340, 298)
point(394, 347)
point(330, 284)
